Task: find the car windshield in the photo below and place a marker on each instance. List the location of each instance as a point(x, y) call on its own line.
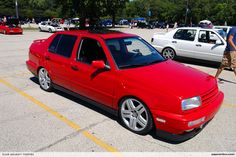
point(133, 52)
point(54, 25)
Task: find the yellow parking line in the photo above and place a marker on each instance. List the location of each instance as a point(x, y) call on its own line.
point(64, 119)
point(230, 105)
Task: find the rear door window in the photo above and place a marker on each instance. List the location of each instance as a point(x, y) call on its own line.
point(185, 34)
point(63, 45)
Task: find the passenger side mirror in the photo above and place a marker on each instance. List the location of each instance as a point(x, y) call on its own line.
point(98, 64)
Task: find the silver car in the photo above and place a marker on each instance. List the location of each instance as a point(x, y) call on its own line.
point(49, 26)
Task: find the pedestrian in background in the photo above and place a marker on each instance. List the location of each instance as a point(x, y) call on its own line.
point(167, 27)
point(229, 58)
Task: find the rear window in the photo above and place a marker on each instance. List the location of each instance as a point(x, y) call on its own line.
point(53, 46)
point(63, 45)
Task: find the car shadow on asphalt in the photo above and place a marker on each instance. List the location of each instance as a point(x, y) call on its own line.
point(227, 81)
point(79, 101)
point(198, 62)
point(152, 133)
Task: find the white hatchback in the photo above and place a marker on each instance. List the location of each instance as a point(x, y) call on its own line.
point(191, 42)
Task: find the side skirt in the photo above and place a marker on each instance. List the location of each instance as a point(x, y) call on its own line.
point(99, 105)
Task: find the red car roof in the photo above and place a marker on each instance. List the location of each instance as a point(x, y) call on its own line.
point(105, 34)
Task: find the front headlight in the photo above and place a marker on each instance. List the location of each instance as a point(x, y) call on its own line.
point(191, 103)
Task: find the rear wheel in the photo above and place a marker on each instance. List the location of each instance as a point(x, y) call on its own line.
point(135, 116)
point(44, 80)
point(50, 30)
point(169, 53)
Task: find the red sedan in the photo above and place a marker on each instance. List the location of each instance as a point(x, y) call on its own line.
point(126, 75)
point(11, 27)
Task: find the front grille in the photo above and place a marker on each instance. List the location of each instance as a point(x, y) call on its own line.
point(210, 96)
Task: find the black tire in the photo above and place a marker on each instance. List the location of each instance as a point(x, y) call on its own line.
point(44, 79)
point(169, 53)
point(50, 30)
point(40, 30)
point(141, 118)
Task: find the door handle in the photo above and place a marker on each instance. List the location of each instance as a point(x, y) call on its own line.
point(198, 45)
point(174, 42)
point(74, 67)
point(47, 58)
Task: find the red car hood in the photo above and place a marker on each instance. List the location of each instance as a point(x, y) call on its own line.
point(170, 77)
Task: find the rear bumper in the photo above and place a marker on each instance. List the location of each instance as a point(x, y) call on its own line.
point(32, 67)
point(188, 124)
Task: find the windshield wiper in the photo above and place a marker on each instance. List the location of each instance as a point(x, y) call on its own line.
point(156, 61)
point(131, 66)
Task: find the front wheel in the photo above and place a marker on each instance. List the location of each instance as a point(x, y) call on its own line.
point(169, 53)
point(135, 116)
point(44, 80)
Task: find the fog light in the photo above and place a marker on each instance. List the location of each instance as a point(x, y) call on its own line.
point(195, 122)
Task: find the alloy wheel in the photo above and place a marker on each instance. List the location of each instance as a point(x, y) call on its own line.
point(168, 53)
point(44, 80)
point(135, 116)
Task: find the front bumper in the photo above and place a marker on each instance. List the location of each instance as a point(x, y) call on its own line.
point(178, 125)
point(17, 31)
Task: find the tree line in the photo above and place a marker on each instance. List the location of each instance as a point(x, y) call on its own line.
point(181, 11)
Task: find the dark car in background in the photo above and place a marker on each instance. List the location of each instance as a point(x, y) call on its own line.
point(105, 23)
point(160, 24)
point(149, 25)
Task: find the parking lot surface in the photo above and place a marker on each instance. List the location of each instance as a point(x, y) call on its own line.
point(37, 121)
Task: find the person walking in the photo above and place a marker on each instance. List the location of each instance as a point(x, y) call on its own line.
point(229, 57)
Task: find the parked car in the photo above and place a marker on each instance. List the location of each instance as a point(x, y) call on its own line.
point(222, 33)
point(161, 24)
point(224, 28)
point(124, 22)
point(49, 26)
point(145, 24)
point(124, 74)
point(106, 23)
point(191, 42)
point(11, 27)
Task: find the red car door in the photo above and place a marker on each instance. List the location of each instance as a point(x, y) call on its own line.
point(59, 58)
point(96, 84)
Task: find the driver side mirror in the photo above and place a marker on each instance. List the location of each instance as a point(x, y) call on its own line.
point(99, 64)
